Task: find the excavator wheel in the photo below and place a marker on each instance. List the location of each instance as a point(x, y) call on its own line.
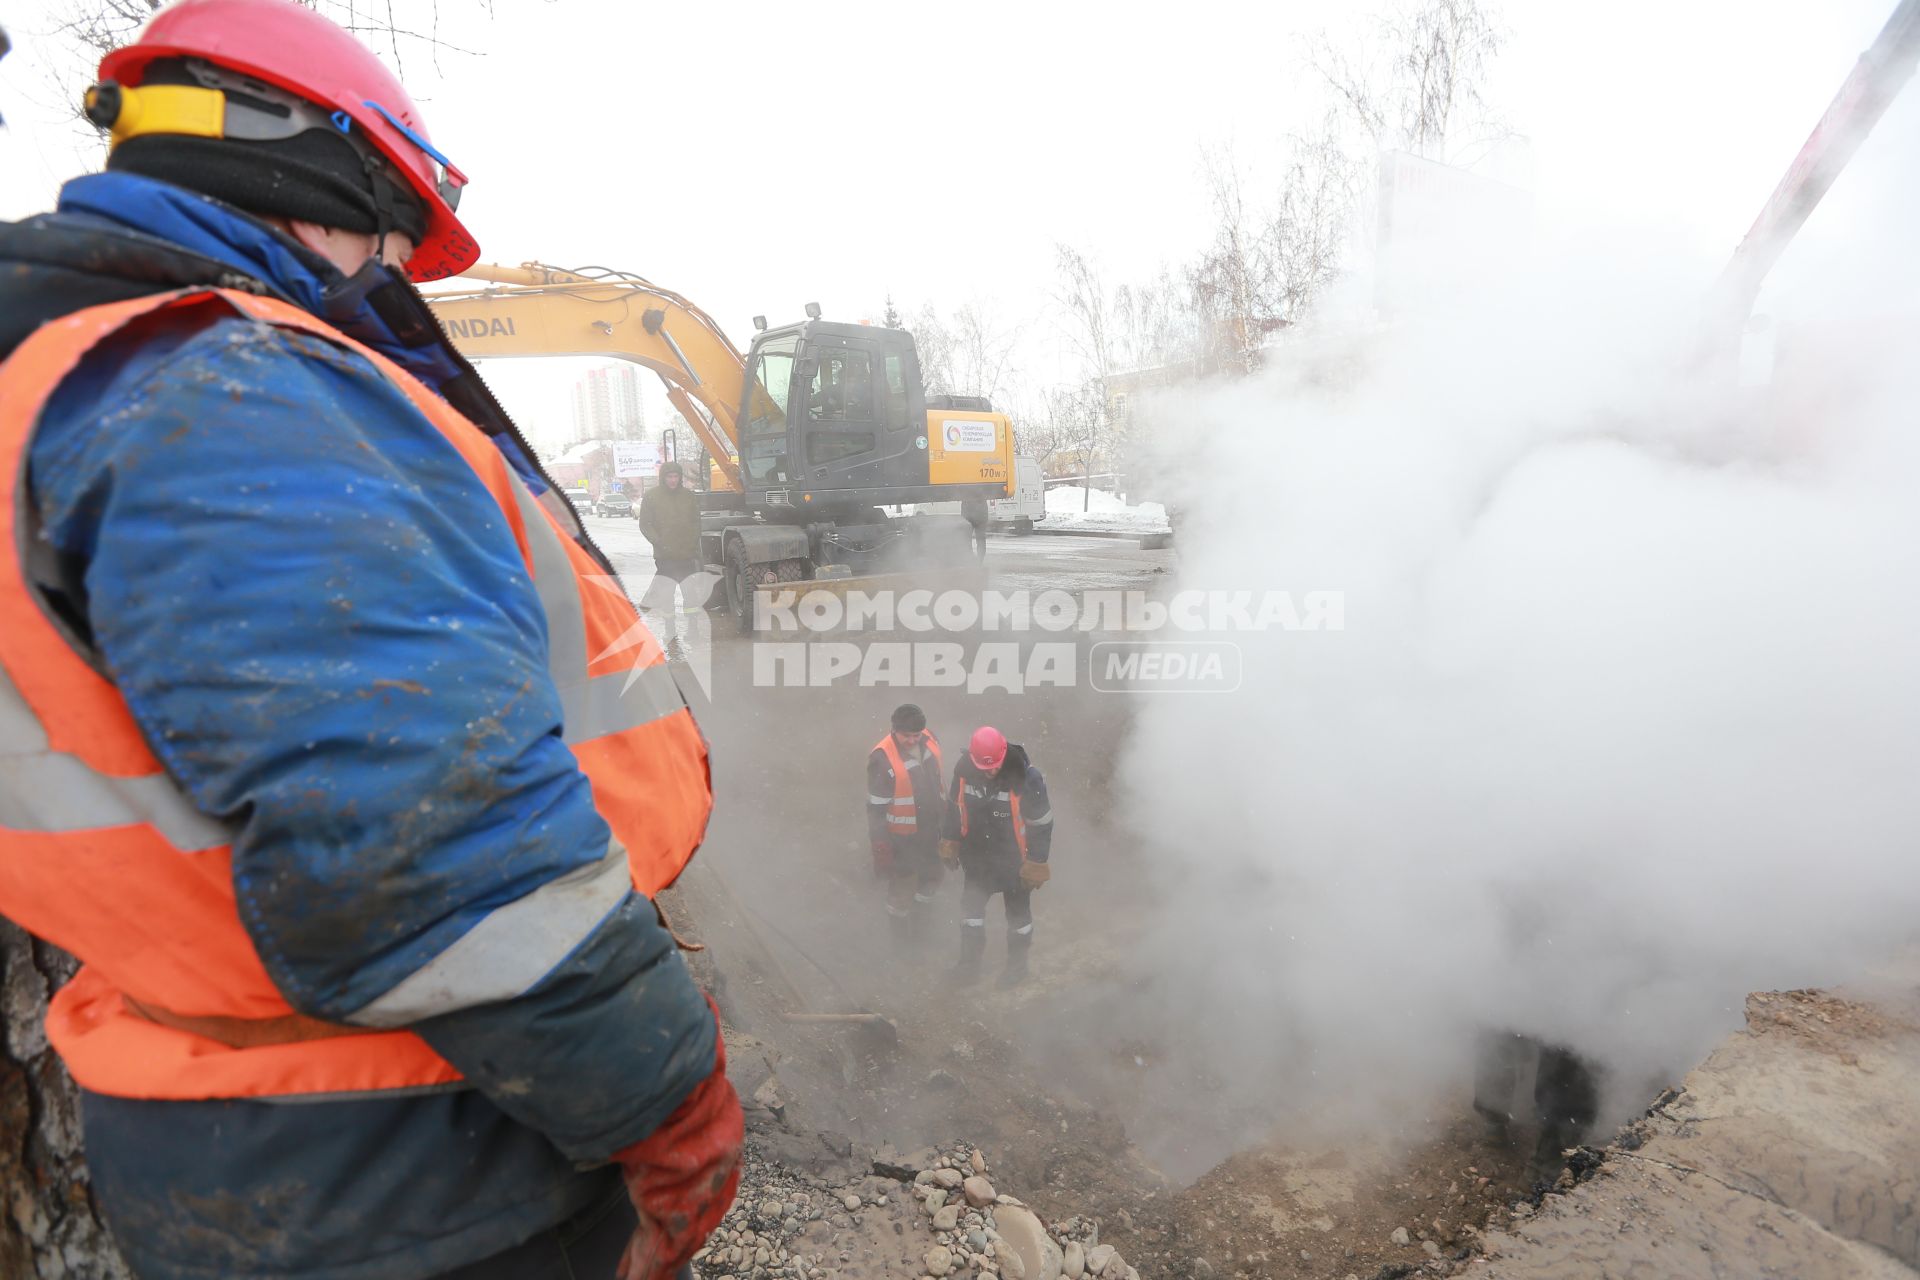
point(743, 576)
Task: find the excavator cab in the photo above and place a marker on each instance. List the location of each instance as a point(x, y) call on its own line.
point(820, 427)
point(833, 418)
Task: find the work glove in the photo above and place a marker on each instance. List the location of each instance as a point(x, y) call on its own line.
point(882, 856)
point(682, 1176)
point(949, 854)
point(1034, 874)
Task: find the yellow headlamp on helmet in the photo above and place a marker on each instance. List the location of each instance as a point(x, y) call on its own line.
point(157, 108)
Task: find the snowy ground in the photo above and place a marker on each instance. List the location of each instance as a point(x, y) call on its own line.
point(1071, 507)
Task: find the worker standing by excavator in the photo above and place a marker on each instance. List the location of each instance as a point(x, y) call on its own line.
point(904, 820)
point(669, 519)
point(302, 758)
point(999, 833)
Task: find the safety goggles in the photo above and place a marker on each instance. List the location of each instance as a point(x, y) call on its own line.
point(448, 180)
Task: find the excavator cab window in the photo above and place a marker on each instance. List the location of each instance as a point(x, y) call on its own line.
point(840, 405)
point(769, 380)
point(769, 386)
point(842, 388)
point(897, 417)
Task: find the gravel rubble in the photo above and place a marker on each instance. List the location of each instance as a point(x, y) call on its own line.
point(947, 1217)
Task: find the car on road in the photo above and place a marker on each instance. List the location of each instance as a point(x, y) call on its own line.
point(613, 504)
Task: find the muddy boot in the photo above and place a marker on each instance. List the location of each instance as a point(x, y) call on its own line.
point(973, 945)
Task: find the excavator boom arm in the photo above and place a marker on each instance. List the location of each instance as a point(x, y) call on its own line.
point(536, 310)
point(1875, 82)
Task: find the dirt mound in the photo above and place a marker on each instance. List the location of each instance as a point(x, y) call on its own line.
point(1358, 1210)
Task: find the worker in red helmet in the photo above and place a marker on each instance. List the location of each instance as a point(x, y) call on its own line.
point(303, 759)
point(999, 833)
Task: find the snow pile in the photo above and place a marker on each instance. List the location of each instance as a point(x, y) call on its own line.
point(1103, 512)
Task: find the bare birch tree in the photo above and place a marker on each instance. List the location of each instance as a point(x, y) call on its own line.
point(1417, 84)
point(1086, 302)
point(968, 353)
point(1270, 257)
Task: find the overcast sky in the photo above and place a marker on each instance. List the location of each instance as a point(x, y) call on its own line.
point(756, 157)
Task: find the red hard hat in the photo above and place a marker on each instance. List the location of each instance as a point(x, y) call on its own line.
point(296, 49)
point(988, 747)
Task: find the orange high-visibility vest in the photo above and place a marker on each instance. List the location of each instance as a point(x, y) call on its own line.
point(903, 814)
point(102, 852)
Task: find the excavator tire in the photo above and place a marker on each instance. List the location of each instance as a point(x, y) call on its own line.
point(742, 577)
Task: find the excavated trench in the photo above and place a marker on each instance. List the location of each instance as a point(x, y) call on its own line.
point(1078, 1085)
point(1085, 1088)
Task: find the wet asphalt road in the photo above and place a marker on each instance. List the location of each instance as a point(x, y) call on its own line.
point(1039, 562)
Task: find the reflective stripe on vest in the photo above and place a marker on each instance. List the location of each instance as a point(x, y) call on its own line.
point(903, 811)
point(102, 853)
point(44, 790)
point(591, 706)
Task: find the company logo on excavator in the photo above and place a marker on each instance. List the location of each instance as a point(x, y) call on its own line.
point(481, 327)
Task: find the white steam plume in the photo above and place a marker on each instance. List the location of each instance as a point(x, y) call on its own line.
point(1625, 718)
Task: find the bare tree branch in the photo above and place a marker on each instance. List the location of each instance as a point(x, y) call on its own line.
point(92, 28)
point(1430, 89)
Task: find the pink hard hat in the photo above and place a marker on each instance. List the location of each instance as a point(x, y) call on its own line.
point(988, 747)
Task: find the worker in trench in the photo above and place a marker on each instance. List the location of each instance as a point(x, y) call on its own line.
point(302, 757)
point(905, 813)
point(999, 833)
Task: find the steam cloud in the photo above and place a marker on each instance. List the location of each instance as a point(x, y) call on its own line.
point(1625, 720)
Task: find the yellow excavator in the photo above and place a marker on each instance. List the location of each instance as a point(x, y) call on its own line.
point(818, 426)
